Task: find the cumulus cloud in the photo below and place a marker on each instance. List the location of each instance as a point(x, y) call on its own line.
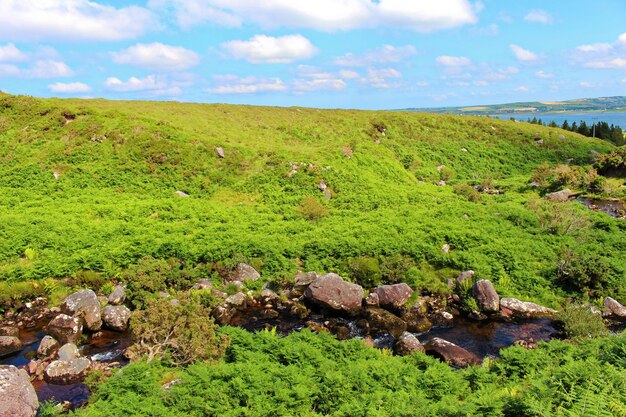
point(9, 53)
point(543, 74)
point(155, 85)
point(232, 84)
point(323, 15)
point(274, 50)
point(453, 61)
point(382, 78)
point(156, 56)
point(384, 55)
point(348, 74)
point(72, 20)
point(39, 69)
point(539, 16)
point(603, 55)
point(522, 54)
point(313, 79)
point(69, 88)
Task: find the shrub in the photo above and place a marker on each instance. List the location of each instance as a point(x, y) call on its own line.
point(580, 321)
point(467, 191)
point(366, 271)
point(583, 270)
point(311, 209)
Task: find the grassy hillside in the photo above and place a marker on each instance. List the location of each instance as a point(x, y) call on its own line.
point(119, 164)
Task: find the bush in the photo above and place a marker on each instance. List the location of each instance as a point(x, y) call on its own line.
point(583, 271)
point(366, 271)
point(580, 321)
point(311, 209)
point(467, 191)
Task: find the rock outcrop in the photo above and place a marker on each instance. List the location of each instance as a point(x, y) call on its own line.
point(17, 395)
point(561, 196)
point(453, 354)
point(523, 309)
point(393, 296)
point(486, 296)
point(84, 304)
point(332, 292)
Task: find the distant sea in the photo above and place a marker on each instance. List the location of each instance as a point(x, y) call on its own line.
point(617, 118)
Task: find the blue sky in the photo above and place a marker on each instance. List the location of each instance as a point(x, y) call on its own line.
point(369, 54)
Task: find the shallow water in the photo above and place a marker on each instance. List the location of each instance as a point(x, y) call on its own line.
point(611, 207)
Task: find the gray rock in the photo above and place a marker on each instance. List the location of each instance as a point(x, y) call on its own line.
point(17, 395)
point(464, 276)
point(116, 317)
point(393, 296)
point(118, 296)
point(181, 194)
point(84, 304)
point(244, 272)
point(372, 300)
point(68, 351)
point(219, 151)
point(47, 346)
point(203, 284)
point(237, 300)
point(9, 345)
point(560, 196)
point(327, 194)
point(331, 291)
point(65, 329)
point(524, 309)
point(269, 296)
point(614, 308)
point(322, 186)
point(382, 321)
point(67, 372)
point(451, 353)
point(9, 331)
point(486, 296)
point(407, 344)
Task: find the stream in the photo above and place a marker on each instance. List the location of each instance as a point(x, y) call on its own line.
point(614, 208)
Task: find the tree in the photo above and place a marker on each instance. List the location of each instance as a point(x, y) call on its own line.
point(565, 125)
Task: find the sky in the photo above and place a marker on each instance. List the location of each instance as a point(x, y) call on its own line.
point(366, 54)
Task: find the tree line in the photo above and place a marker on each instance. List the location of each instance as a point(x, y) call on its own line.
point(601, 130)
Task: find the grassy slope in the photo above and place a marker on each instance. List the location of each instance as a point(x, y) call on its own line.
point(114, 201)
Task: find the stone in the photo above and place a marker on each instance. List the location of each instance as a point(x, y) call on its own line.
point(237, 300)
point(382, 321)
point(322, 186)
point(84, 304)
point(9, 345)
point(244, 272)
point(116, 317)
point(65, 329)
point(203, 284)
point(560, 196)
point(302, 281)
point(539, 141)
point(117, 296)
point(48, 346)
point(327, 194)
point(406, 344)
point(453, 354)
point(332, 292)
point(223, 315)
point(62, 372)
point(464, 276)
point(614, 308)
point(372, 300)
point(219, 151)
point(393, 296)
point(17, 395)
point(524, 309)
point(486, 296)
point(181, 194)
point(268, 296)
point(68, 351)
point(446, 248)
point(416, 320)
point(9, 331)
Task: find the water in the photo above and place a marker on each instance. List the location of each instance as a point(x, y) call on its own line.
point(612, 118)
point(612, 208)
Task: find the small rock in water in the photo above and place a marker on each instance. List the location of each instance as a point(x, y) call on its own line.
point(9, 345)
point(486, 296)
point(9, 331)
point(67, 372)
point(451, 353)
point(406, 344)
point(84, 303)
point(68, 352)
point(116, 317)
point(47, 346)
point(65, 329)
point(393, 296)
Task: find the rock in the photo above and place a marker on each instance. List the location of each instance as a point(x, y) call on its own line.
point(269, 297)
point(181, 194)
point(441, 183)
point(486, 296)
point(382, 321)
point(237, 300)
point(464, 276)
point(244, 272)
point(372, 300)
point(524, 309)
point(116, 317)
point(453, 354)
point(614, 308)
point(560, 196)
point(234, 284)
point(118, 296)
point(203, 284)
point(9, 331)
point(327, 194)
point(65, 329)
point(407, 344)
point(539, 141)
point(322, 186)
point(219, 151)
point(331, 291)
point(9, 345)
point(84, 304)
point(447, 316)
point(67, 372)
point(47, 346)
point(561, 136)
point(68, 351)
point(446, 248)
point(223, 315)
point(17, 395)
point(302, 281)
point(416, 320)
point(393, 296)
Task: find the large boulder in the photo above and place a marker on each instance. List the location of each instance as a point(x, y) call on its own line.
point(416, 320)
point(65, 329)
point(17, 395)
point(65, 372)
point(393, 296)
point(407, 344)
point(47, 346)
point(68, 351)
point(561, 196)
point(524, 309)
point(614, 308)
point(203, 284)
point(382, 321)
point(302, 282)
point(117, 296)
point(453, 354)
point(84, 304)
point(244, 272)
point(332, 292)
point(9, 331)
point(9, 345)
point(486, 296)
point(116, 317)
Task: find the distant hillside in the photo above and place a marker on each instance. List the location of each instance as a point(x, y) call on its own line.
point(579, 105)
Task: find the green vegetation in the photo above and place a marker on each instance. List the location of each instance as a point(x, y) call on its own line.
point(306, 374)
point(87, 195)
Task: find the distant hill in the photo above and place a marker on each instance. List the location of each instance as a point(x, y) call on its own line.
point(617, 103)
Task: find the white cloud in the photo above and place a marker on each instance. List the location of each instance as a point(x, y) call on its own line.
point(324, 15)
point(156, 56)
point(384, 55)
point(501, 73)
point(539, 16)
point(596, 47)
point(586, 84)
point(48, 69)
point(268, 49)
point(522, 54)
point(381, 78)
point(232, 84)
point(155, 85)
point(9, 53)
point(422, 84)
point(69, 88)
point(316, 84)
point(348, 75)
point(72, 20)
point(603, 55)
point(610, 63)
point(543, 74)
point(522, 89)
point(453, 61)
